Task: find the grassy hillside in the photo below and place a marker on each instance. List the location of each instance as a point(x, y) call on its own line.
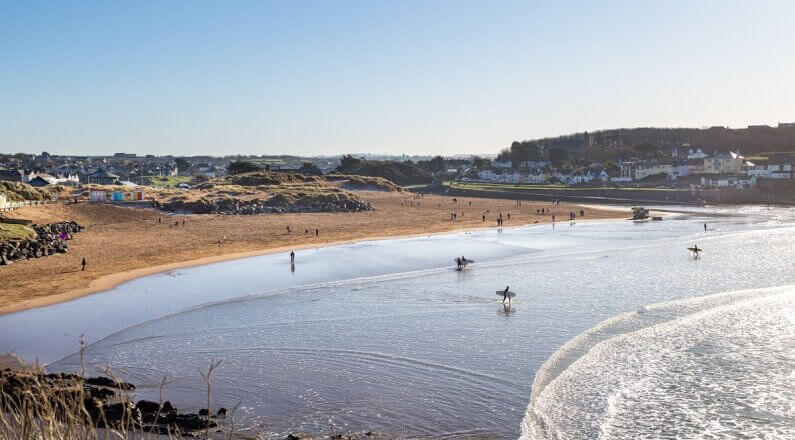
point(17, 191)
point(15, 232)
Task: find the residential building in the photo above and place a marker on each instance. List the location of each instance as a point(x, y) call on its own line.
point(723, 164)
point(628, 168)
point(102, 177)
point(13, 175)
point(651, 170)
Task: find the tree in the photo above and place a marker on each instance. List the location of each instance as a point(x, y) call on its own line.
point(241, 166)
point(183, 166)
point(557, 156)
point(479, 163)
point(309, 168)
point(348, 162)
point(612, 169)
point(646, 149)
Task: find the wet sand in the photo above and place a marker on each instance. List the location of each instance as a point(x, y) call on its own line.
point(121, 244)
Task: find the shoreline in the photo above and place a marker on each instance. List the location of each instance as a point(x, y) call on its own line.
point(108, 282)
point(123, 244)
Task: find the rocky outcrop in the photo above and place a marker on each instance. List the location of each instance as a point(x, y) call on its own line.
point(274, 205)
point(50, 239)
point(95, 400)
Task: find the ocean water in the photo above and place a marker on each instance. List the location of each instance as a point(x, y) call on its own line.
point(616, 332)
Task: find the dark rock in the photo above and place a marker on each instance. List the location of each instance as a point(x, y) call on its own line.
point(221, 412)
point(147, 406)
point(110, 383)
point(203, 412)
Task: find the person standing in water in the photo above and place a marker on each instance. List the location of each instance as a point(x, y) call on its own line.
point(292, 257)
point(505, 295)
point(705, 227)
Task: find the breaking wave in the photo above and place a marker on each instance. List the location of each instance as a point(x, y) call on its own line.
point(711, 367)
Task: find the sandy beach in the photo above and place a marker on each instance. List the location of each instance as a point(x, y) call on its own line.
point(120, 244)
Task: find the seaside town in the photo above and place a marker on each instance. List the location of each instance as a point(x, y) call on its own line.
point(681, 166)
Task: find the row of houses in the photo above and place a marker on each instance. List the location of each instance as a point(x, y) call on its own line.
point(39, 179)
point(697, 163)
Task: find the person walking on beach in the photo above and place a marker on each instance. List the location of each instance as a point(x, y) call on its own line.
point(317, 232)
point(292, 257)
point(505, 295)
point(705, 227)
point(84, 264)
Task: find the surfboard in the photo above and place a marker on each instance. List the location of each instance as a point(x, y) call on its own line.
point(692, 249)
point(510, 294)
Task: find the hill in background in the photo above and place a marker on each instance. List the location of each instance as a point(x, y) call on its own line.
point(624, 142)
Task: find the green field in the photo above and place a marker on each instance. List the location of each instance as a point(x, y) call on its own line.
point(168, 181)
point(10, 231)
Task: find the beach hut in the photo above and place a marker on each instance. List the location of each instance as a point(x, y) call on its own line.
point(137, 195)
point(96, 196)
point(118, 196)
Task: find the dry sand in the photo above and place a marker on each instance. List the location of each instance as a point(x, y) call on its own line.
point(120, 244)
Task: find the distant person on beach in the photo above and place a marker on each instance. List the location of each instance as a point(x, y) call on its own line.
point(84, 263)
point(505, 295)
point(317, 233)
point(553, 218)
point(484, 218)
point(292, 257)
point(288, 230)
point(705, 227)
point(159, 220)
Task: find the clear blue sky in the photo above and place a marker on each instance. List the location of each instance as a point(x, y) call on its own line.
point(324, 77)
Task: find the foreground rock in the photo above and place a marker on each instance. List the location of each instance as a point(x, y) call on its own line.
point(50, 239)
point(99, 401)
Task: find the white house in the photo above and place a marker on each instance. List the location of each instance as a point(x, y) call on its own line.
point(536, 177)
point(780, 171)
point(487, 175)
point(736, 182)
point(697, 154)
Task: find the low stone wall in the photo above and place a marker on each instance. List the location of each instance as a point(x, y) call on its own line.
point(49, 240)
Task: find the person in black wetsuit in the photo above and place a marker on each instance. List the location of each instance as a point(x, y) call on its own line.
point(505, 295)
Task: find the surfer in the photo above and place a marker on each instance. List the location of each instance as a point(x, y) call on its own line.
point(292, 257)
point(705, 227)
point(505, 295)
point(458, 262)
point(695, 250)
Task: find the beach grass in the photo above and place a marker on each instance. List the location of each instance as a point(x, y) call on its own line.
point(10, 231)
